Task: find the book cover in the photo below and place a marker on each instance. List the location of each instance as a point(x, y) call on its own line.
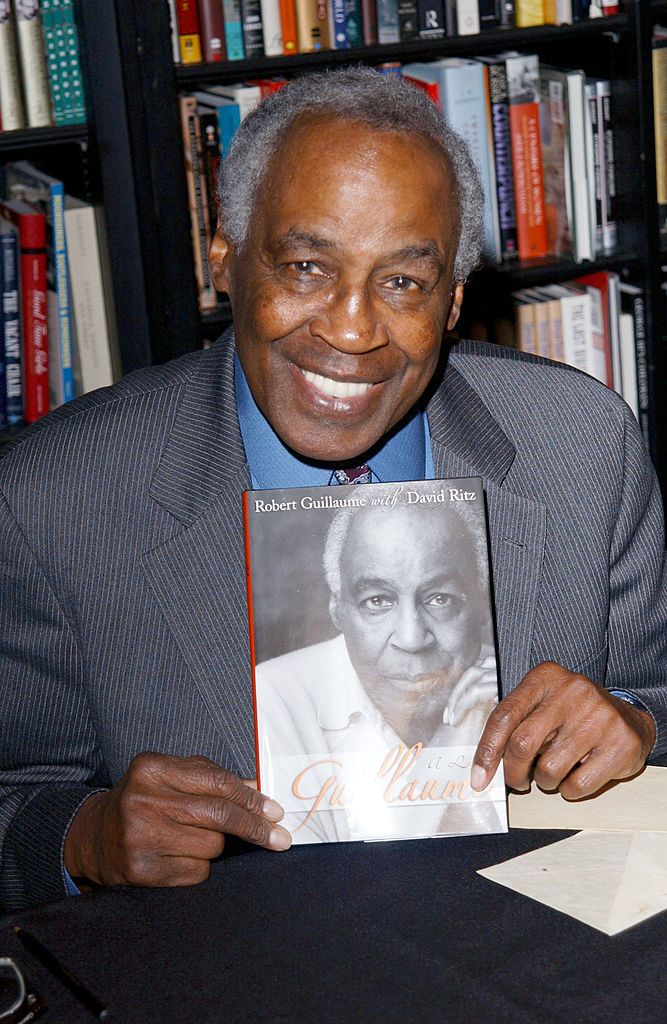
point(374, 680)
point(33, 64)
point(502, 154)
point(607, 162)
point(10, 312)
point(251, 20)
point(212, 31)
point(189, 38)
point(467, 17)
point(408, 19)
point(48, 194)
point(528, 13)
point(231, 10)
point(95, 348)
point(523, 88)
point(387, 21)
point(431, 17)
point(272, 29)
point(555, 159)
point(12, 110)
point(338, 24)
point(197, 200)
point(31, 226)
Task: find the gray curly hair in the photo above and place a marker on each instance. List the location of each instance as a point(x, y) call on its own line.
point(361, 95)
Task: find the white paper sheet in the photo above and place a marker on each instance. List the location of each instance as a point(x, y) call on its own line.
point(609, 880)
point(635, 805)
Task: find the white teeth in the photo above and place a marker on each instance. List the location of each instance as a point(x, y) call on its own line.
point(335, 388)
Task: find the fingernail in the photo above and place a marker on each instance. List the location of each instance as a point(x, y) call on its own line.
point(445, 716)
point(272, 810)
point(280, 839)
point(477, 778)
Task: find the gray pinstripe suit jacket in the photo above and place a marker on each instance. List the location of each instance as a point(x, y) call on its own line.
point(122, 603)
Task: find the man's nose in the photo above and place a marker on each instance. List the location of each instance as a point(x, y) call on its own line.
point(350, 321)
point(411, 632)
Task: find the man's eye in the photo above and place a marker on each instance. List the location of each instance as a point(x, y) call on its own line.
point(305, 267)
point(401, 283)
point(376, 603)
point(441, 600)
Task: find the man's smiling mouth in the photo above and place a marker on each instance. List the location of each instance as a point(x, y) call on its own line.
point(336, 388)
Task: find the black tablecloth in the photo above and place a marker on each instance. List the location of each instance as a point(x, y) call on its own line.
point(382, 932)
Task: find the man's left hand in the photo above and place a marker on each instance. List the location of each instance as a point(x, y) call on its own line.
point(565, 732)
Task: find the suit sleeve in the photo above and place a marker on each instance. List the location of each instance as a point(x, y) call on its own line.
point(638, 587)
point(49, 758)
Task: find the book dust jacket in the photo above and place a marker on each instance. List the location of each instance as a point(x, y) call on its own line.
point(373, 655)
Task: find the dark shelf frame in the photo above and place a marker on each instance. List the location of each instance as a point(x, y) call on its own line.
point(34, 138)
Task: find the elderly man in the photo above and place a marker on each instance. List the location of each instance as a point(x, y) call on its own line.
point(350, 220)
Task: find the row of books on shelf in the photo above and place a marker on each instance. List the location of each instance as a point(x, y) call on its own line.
point(596, 323)
point(40, 67)
point(542, 139)
point(219, 30)
point(57, 324)
point(659, 68)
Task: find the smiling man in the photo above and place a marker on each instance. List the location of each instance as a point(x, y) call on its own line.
point(350, 220)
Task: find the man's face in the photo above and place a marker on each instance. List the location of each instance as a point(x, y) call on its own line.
point(344, 288)
point(410, 608)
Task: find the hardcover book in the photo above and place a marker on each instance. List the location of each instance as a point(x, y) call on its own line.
point(373, 658)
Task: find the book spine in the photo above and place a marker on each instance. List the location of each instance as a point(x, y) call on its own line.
point(211, 31)
point(11, 313)
point(211, 156)
point(431, 19)
point(34, 323)
point(173, 24)
point(607, 167)
point(354, 23)
point(272, 32)
point(528, 13)
point(189, 38)
point(33, 64)
point(251, 18)
point(312, 32)
point(524, 106)
point(489, 14)
point(659, 59)
point(231, 10)
point(592, 105)
point(198, 200)
point(467, 17)
point(503, 159)
point(3, 377)
point(610, 8)
point(577, 335)
point(229, 119)
point(52, 48)
point(62, 289)
point(643, 390)
point(580, 10)
point(369, 22)
point(408, 19)
point(558, 12)
point(73, 96)
point(388, 27)
point(338, 27)
point(11, 100)
point(506, 13)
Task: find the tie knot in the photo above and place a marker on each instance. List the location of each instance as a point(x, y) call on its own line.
point(357, 475)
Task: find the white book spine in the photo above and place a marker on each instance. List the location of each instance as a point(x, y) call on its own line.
point(467, 17)
point(629, 362)
point(175, 49)
point(577, 331)
point(583, 243)
point(93, 337)
point(33, 64)
point(272, 29)
point(11, 100)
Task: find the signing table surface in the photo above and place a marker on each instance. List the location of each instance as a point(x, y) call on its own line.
point(347, 933)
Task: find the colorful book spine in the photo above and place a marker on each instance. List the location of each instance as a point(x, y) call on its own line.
point(189, 38)
point(54, 50)
point(211, 31)
point(502, 147)
point(11, 315)
point(408, 19)
point(197, 200)
point(76, 104)
point(659, 60)
point(312, 31)
point(272, 30)
point(607, 166)
point(610, 8)
point(338, 25)
point(388, 27)
point(467, 17)
point(61, 41)
point(369, 22)
point(558, 12)
point(12, 111)
point(528, 13)
point(523, 88)
point(231, 10)
point(33, 64)
point(289, 27)
point(354, 23)
point(31, 226)
point(251, 19)
point(3, 377)
point(489, 14)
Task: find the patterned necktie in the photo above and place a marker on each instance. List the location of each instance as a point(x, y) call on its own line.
point(358, 475)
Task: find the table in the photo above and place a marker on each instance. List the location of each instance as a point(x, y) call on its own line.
point(347, 933)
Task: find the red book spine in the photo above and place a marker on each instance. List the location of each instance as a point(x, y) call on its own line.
point(34, 321)
point(189, 40)
point(288, 23)
point(369, 20)
point(431, 89)
point(528, 180)
point(610, 7)
point(212, 31)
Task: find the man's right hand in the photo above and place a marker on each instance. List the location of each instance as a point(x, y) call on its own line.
point(165, 820)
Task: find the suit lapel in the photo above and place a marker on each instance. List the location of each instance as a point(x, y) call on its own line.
point(197, 576)
point(468, 441)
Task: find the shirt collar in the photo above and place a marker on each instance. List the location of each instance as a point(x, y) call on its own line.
point(406, 455)
point(339, 703)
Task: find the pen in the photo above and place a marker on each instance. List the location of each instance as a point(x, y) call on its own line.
point(65, 977)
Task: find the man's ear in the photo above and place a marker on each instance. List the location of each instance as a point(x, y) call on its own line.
point(333, 611)
point(455, 307)
point(220, 257)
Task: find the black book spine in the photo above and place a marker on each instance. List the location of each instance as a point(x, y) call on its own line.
point(408, 19)
point(488, 14)
point(505, 13)
point(502, 146)
point(580, 10)
point(431, 19)
point(251, 19)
